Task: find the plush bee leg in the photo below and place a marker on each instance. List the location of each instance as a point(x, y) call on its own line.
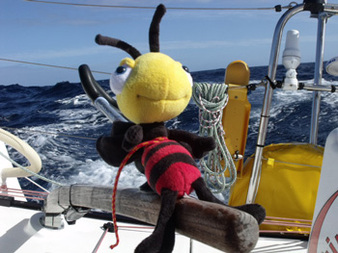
point(146, 188)
point(162, 239)
point(203, 193)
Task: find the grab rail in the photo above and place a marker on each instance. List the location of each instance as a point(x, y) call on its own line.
point(101, 100)
point(274, 53)
point(322, 12)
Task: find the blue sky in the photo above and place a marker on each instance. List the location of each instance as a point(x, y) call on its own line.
point(64, 35)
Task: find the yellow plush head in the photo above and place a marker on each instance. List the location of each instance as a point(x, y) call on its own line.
point(151, 87)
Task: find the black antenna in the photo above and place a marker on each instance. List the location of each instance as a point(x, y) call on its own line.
point(154, 30)
point(103, 40)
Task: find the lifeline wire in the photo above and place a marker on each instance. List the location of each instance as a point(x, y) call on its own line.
point(211, 100)
point(50, 133)
point(276, 8)
point(29, 171)
point(49, 65)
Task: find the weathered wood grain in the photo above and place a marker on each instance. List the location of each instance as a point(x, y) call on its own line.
point(222, 227)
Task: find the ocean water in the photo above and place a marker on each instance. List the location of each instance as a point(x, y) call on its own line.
point(61, 124)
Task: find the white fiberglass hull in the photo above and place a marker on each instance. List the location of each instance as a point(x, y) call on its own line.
point(22, 232)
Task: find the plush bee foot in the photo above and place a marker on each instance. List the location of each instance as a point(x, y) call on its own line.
point(203, 193)
point(162, 239)
point(255, 210)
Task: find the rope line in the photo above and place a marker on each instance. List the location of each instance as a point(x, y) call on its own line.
point(211, 100)
point(98, 245)
point(123, 163)
point(19, 193)
point(277, 8)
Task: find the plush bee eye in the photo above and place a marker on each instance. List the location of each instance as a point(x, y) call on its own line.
point(120, 70)
point(186, 69)
point(119, 77)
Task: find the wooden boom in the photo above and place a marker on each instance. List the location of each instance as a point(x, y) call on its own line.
point(219, 226)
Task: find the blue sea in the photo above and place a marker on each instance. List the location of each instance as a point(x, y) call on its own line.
point(62, 125)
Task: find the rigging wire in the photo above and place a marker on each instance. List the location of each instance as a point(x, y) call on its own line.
point(50, 133)
point(277, 8)
point(254, 85)
point(250, 86)
point(29, 171)
point(48, 65)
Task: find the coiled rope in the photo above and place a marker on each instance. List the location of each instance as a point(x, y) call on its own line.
point(211, 100)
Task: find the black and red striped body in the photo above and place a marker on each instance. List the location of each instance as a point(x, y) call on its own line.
point(169, 165)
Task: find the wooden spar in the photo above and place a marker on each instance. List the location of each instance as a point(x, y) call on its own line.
point(219, 226)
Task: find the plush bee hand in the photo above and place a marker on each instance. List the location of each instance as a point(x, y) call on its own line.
point(197, 145)
point(132, 137)
point(110, 147)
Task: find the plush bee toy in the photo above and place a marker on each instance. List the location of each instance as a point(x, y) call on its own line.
point(150, 89)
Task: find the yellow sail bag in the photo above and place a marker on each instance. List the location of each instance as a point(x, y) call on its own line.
point(288, 185)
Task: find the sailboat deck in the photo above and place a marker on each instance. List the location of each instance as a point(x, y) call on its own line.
point(21, 231)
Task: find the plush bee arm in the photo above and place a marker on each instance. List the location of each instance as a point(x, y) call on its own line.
point(132, 137)
point(109, 147)
point(119, 128)
point(143, 132)
point(198, 146)
point(125, 135)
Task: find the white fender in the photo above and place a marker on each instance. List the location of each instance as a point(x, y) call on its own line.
point(324, 233)
point(26, 150)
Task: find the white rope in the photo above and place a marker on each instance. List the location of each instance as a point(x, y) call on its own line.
point(211, 100)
